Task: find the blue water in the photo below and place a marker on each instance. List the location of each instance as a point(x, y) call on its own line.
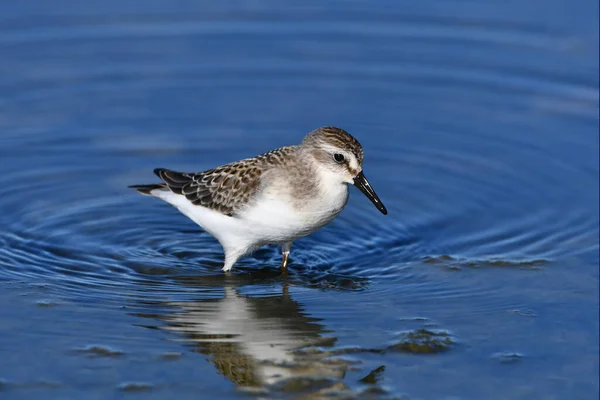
point(479, 122)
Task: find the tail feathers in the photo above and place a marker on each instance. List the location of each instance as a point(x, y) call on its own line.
point(174, 180)
point(146, 189)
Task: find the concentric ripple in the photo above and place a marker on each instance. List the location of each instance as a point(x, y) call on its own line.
point(480, 129)
point(492, 184)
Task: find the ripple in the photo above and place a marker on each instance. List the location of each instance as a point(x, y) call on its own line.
point(100, 351)
point(480, 135)
point(297, 23)
point(136, 386)
point(91, 247)
point(451, 261)
point(508, 357)
point(104, 244)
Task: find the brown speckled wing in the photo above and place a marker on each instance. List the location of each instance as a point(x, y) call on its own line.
point(226, 189)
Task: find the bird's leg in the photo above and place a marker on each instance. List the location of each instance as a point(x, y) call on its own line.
point(285, 252)
point(284, 261)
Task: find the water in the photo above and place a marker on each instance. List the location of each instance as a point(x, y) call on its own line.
point(480, 127)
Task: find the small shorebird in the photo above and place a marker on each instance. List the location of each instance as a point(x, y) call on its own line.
point(273, 198)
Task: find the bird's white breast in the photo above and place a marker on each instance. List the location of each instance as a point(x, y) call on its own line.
point(277, 216)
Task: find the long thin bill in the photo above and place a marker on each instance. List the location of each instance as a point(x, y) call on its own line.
point(361, 182)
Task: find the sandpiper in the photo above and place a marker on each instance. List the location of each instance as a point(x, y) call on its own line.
point(273, 198)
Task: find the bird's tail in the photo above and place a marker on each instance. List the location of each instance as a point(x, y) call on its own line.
point(147, 189)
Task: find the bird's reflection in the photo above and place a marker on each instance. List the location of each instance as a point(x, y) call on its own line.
point(254, 341)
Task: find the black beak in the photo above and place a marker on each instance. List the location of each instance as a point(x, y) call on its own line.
point(363, 185)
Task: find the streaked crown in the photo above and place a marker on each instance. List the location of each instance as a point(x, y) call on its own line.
point(336, 137)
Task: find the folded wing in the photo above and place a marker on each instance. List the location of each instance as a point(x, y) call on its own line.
point(226, 189)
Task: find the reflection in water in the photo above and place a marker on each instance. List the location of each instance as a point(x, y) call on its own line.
point(257, 341)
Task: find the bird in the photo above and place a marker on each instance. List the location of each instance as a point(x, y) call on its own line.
point(273, 198)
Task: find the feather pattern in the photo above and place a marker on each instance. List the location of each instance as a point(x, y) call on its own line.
point(229, 188)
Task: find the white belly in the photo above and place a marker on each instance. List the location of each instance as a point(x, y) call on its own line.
point(272, 218)
point(275, 220)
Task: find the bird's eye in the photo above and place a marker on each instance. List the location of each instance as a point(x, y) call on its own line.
point(339, 158)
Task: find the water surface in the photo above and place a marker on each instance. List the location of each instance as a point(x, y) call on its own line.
point(480, 128)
